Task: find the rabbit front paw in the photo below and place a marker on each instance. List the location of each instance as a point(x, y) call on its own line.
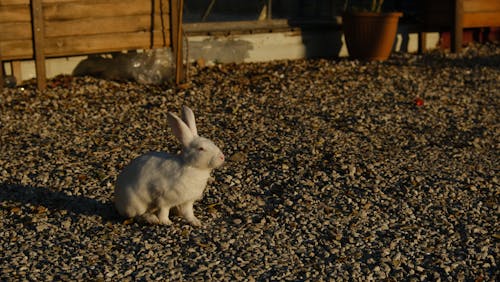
point(186, 211)
point(194, 221)
point(163, 216)
point(154, 219)
point(150, 218)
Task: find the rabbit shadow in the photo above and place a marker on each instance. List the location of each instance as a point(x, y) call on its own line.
point(57, 201)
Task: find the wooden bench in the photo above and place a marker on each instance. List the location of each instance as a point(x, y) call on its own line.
point(39, 29)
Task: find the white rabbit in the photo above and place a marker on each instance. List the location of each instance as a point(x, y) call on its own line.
point(154, 183)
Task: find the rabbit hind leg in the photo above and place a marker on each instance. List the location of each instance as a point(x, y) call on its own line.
point(130, 207)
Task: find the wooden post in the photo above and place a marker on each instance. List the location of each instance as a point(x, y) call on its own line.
point(16, 70)
point(174, 7)
point(179, 76)
point(38, 45)
point(152, 29)
point(422, 39)
point(163, 19)
point(176, 15)
point(457, 25)
point(1, 74)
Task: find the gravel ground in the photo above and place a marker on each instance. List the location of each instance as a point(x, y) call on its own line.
point(335, 171)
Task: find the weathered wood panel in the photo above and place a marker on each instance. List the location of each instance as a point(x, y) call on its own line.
point(80, 45)
point(99, 17)
point(81, 9)
point(15, 31)
point(77, 27)
point(88, 26)
point(14, 2)
point(82, 27)
point(103, 43)
point(91, 9)
point(15, 13)
point(16, 49)
point(91, 2)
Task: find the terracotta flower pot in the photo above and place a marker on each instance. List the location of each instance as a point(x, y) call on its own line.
point(370, 36)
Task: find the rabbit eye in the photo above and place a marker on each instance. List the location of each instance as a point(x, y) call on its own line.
point(201, 149)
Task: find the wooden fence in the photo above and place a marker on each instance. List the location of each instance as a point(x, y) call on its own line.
point(38, 29)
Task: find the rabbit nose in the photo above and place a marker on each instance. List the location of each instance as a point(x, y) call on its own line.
point(221, 157)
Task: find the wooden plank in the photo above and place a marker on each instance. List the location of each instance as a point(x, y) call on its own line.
point(38, 32)
point(16, 49)
point(264, 25)
point(65, 46)
point(15, 14)
point(72, 1)
point(14, 2)
point(87, 9)
point(77, 10)
point(88, 1)
point(482, 19)
point(15, 31)
point(471, 6)
point(70, 46)
point(45, 2)
point(92, 26)
point(194, 28)
point(69, 1)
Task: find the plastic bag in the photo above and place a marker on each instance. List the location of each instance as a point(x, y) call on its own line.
point(155, 66)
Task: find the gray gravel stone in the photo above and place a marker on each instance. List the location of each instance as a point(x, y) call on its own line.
point(334, 172)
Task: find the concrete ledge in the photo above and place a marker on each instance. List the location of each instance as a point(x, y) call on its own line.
point(294, 44)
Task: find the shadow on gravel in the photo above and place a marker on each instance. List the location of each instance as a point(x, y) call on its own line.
point(492, 61)
point(57, 201)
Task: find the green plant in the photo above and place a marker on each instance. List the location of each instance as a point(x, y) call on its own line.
point(363, 5)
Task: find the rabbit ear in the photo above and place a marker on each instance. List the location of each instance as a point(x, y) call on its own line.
point(180, 129)
point(188, 118)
